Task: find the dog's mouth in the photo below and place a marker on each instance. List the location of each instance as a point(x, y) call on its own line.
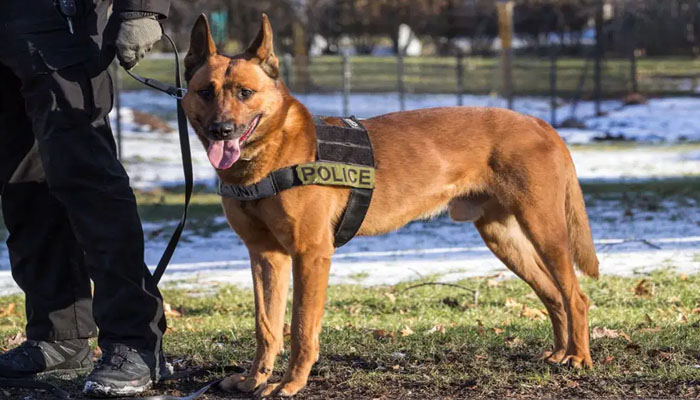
point(223, 153)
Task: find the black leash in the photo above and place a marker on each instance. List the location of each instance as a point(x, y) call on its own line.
point(178, 92)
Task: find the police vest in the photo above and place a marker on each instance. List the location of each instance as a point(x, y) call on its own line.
point(344, 157)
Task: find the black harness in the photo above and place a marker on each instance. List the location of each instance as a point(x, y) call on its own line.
point(344, 157)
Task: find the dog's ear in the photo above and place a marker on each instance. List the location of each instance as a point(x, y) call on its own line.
point(262, 49)
point(201, 47)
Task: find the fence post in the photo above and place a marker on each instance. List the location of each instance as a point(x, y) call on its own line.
point(400, 77)
point(460, 77)
point(598, 56)
point(553, 84)
point(347, 74)
point(287, 65)
point(117, 80)
point(505, 31)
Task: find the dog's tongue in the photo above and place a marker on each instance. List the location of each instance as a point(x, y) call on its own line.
point(223, 153)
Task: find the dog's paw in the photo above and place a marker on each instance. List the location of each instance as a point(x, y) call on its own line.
point(578, 362)
point(552, 357)
point(242, 383)
point(275, 390)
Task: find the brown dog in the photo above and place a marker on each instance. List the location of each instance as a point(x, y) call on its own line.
point(509, 173)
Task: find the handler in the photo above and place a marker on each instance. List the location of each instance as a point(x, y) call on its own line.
point(66, 200)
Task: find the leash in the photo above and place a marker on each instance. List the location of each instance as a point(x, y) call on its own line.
point(178, 92)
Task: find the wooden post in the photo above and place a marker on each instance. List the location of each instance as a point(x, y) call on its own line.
point(553, 83)
point(400, 77)
point(505, 32)
point(460, 77)
point(598, 56)
point(347, 74)
point(629, 30)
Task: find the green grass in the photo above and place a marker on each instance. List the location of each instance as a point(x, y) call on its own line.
point(443, 352)
point(657, 76)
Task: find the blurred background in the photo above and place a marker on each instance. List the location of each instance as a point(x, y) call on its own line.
point(619, 79)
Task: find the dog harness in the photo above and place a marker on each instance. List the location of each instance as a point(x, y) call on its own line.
point(344, 157)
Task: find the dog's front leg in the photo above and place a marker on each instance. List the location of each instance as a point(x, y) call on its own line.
point(270, 268)
point(311, 271)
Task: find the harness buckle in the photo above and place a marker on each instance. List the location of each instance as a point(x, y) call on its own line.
point(177, 92)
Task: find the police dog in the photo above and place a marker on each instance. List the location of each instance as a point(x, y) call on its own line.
point(509, 173)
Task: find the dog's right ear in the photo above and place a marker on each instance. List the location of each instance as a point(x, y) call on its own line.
point(201, 47)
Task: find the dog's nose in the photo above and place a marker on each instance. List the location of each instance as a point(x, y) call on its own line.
point(221, 130)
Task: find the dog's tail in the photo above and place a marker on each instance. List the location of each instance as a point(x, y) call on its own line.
point(580, 237)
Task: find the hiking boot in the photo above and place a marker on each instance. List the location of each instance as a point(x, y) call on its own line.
point(124, 371)
point(40, 358)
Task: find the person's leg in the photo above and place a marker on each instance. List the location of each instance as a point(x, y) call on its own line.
point(46, 261)
point(67, 97)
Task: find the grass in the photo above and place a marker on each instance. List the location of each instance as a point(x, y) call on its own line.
point(435, 342)
point(657, 76)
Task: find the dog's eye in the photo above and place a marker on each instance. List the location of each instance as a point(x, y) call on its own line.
point(244, 93)
point(206, 94)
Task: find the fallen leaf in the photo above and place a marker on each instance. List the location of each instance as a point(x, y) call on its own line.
point(512, 303)
point(514, 341)
point(479, 327)
point(674, 299)
point(682, 318)
point(492, 283)
point(602, 332)
point(4, 312)
point(642, 289)
point(406, 331)
point(391, 297)
point(651, 330)
point(497, 331)
point(660, 354)
point(571, 384)
point(395, 367)
point(480, 357)
point(16, 340)
point(533, 313)
point(438, 328)
point(170, 312)
point(382, 334)
point(608, 360)
point(684, 277)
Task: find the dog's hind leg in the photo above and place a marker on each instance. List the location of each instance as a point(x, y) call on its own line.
point(504, 236)
point(270, 265)
point(543, 220)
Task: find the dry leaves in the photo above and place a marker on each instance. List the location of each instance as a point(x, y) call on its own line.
point(643, 289)
point(10, 309)
point(171, 312)
point(406, 331)
point(380, 334)
point(480, 327)
point(514, 341)
point(438, 328)
point(533, 313)
point(512, 303)
point(608, 360)
point(603, 332)
point(391, 297)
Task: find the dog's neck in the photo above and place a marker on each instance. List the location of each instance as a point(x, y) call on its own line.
point(288, 138)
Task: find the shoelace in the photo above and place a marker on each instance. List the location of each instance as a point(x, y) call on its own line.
point(115, 358)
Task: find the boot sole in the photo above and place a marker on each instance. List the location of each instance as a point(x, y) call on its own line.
point(97, 390)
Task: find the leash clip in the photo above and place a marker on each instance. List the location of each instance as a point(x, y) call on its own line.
point(177, 92)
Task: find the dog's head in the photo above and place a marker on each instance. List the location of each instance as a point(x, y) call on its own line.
point(230, 98)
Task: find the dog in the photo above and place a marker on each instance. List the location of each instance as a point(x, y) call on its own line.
point(508, 173)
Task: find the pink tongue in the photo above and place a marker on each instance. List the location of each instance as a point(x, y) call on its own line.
point(223, 153)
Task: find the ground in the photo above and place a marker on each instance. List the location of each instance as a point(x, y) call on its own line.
point(432, 341)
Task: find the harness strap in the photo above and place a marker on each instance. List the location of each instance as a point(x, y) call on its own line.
point(344, 158)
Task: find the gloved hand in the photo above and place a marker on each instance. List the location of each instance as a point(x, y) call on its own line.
point(138, 32)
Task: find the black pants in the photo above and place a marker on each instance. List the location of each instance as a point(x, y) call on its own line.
point(79, 221)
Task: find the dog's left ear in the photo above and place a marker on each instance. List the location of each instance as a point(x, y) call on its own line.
point(201, 47)
point(262, 49)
